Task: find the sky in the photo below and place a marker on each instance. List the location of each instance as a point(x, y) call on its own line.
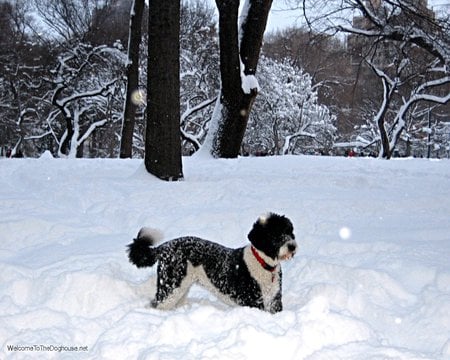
point(281, 17)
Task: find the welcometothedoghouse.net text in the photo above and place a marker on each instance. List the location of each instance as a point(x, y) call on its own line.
point(46, 348)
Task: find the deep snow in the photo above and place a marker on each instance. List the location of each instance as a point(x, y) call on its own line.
point(371, 279)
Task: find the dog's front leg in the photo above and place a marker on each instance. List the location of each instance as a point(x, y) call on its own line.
point(276, 305)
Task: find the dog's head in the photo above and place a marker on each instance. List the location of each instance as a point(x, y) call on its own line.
point(274, 235)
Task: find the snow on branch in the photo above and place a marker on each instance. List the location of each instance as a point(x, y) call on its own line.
point(396, 21)
point(39, 136)
point(103, 91)
point(91, 129)
point(368, 13)
point(189, 111)
point(289, 138)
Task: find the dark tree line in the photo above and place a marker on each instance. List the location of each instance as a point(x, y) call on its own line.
point(79, 89)
point(57, 90)
point(78, 103)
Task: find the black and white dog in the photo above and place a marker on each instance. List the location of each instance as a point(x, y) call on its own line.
point(248, 276)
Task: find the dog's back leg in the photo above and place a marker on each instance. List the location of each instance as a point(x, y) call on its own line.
point(173, 284)
point(168, 302)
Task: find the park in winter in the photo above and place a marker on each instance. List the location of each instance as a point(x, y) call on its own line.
point(204, 119)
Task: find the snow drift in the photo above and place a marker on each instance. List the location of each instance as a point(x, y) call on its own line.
point(371, 279)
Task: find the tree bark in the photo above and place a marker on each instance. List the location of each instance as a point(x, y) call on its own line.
point(239, 55)
point(129, 116)
point(163, 135)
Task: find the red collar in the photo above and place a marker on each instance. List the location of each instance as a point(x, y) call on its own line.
point(265, 265)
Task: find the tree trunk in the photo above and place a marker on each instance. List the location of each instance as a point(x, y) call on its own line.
point(129, 114)
point(239, 54)
point(385, 151)
point(163, 135)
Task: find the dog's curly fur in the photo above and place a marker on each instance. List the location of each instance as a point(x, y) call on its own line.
point(247, 276)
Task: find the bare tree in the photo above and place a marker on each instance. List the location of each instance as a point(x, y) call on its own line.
point(80, 96)
point(405, 45)
point(69, 19)
point(424, 92)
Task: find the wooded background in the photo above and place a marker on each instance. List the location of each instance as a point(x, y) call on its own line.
point(377, 82)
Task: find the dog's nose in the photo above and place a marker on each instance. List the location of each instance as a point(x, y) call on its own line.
point(292, 247)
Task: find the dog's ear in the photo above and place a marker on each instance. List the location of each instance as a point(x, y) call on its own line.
point(257, 234)
point(262, 220)
point(279, 224)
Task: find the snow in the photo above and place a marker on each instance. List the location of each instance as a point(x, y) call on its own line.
point(249, 83)
point(207, 149)
point(371, 279)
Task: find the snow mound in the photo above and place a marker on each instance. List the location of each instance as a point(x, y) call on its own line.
point(46, 155)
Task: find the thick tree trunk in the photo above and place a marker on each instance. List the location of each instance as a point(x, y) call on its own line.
point(163, 135)
point(228, 136)
point(239, 54)
point(129, 116)
point(252, 33)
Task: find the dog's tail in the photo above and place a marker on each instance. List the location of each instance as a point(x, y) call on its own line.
point(141, 251)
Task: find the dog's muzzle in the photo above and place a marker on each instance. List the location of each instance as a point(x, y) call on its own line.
point(288, 250)
point(292, 247)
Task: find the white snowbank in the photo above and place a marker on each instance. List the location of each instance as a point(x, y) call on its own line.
point(371, 279)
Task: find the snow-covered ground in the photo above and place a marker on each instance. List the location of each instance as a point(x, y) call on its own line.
point(371, 279)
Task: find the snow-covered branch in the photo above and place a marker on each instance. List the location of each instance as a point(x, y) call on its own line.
point(189, 111)
point(288, 139)
point(400, 25)
point(91, 129)
point(104, 90)
point(416, 96)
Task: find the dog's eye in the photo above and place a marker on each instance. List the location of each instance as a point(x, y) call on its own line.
point(289, 234)
point(287, 237)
